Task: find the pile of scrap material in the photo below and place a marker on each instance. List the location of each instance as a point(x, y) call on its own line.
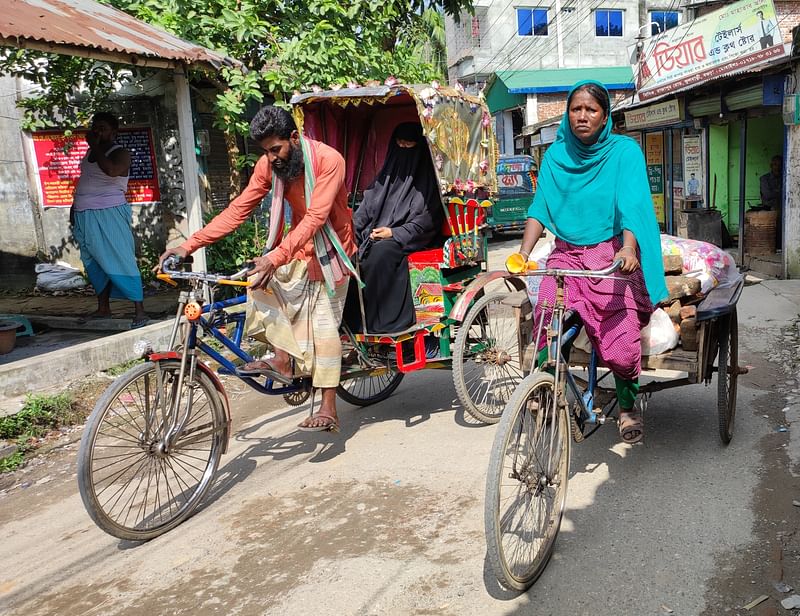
point(681, 305)
point(692, 268)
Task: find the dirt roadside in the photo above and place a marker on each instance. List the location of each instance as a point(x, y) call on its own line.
point(774, 557)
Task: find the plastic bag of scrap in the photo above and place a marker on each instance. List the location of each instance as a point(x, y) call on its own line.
point(710, 264)
point(58, 276)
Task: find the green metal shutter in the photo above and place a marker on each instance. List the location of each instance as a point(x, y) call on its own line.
point(745, 98)
point(707, 105)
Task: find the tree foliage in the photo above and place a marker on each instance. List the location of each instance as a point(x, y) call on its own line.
point(285, 45)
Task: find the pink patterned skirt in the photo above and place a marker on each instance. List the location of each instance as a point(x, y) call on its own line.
point(614, 311)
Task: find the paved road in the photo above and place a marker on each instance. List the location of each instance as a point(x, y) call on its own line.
point(387, 516)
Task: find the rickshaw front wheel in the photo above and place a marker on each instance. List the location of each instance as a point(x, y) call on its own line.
point(136, 481)
point(526, 483)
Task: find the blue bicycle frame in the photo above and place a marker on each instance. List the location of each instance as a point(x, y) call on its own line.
point(210, 326)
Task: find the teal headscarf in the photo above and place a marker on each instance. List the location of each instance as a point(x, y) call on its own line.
point(587, 194)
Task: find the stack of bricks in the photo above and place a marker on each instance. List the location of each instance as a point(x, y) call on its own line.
point(681, 305)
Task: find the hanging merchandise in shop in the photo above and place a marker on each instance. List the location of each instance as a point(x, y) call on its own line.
point(739, 36)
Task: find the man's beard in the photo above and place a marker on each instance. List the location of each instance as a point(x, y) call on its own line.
point(289, 169)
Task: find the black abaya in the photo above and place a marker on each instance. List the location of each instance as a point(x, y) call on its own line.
point(405, 198)
point(388, 303)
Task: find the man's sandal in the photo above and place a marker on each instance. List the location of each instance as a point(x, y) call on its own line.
point(631, 426)
point(330, 424)
point(261, 367)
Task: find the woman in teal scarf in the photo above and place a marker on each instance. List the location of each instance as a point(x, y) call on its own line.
point(593, 195)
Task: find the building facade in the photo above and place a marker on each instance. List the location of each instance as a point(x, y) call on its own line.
point(713, 129)
point(546, 44)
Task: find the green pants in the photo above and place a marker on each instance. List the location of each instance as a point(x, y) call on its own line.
point(627, 390)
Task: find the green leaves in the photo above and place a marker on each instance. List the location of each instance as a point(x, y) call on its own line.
point(285, 45)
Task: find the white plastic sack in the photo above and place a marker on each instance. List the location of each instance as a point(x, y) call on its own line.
point(659, 336)
point(58, 276)
point(540, 254)
point(710, 264)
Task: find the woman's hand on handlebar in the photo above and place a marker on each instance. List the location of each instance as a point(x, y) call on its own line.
point(180, 252)
point(262, 269)
point(629, 258)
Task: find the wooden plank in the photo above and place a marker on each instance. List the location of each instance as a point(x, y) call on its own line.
point(677, 359)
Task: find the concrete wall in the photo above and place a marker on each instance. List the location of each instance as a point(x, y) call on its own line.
point(28, 230)
point(19, 224)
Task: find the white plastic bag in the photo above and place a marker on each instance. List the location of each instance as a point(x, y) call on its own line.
point(58, 276)
point(710, 264)
point(540, 254)
point(659, 336)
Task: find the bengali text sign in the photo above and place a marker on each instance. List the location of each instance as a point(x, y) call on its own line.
point(735, 37)
point(58, 162)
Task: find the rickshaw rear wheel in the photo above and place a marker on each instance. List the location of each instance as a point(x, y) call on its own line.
point(526, 483)
point(370, 389)
point(727, 374)
point(487, 364)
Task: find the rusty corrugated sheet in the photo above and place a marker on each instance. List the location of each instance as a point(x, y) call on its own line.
point(94, 26)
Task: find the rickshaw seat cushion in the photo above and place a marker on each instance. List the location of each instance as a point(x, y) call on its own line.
point(719, 301)
point(430, 257)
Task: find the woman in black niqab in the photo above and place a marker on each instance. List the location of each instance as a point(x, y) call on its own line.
point(400, 214)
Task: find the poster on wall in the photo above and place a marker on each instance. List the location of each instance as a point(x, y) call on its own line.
point(58, 164)
point(654, 157)
point(694, 178)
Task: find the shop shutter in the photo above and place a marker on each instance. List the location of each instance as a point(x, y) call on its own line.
point(745, 98)
point(707, 105)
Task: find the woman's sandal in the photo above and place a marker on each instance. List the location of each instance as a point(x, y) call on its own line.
point(330, 424)
point(631, 426)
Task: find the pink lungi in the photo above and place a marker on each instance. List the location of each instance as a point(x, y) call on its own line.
point(614, 311)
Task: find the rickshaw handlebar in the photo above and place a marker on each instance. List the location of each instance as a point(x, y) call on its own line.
point(170, 264)
point(569, 273)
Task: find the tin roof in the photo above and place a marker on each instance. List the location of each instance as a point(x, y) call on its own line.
point(90, 29)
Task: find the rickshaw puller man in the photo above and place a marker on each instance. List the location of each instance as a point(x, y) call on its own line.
point(294, 302)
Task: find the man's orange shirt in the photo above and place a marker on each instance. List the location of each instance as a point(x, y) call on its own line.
point(328, 202)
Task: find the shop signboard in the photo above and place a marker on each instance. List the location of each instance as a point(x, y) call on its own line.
point(665, 112)
point(654, 157)
point(736, 37)
point(694, 178)
point(58, 163)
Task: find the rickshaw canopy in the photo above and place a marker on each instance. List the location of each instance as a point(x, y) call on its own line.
point(359, 123)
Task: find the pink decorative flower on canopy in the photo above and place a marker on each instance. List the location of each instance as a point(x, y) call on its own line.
point(391, 81)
